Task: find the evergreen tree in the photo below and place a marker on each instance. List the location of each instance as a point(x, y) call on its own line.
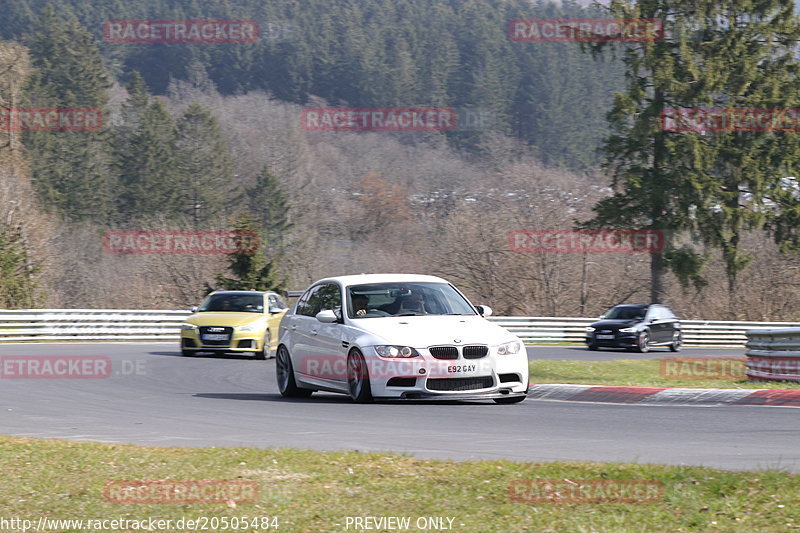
point(268, 204)
point(69, 167)
point(675, 182)
point(252, 270)
point(146, 159)
point(742, 167)
point(204, 163)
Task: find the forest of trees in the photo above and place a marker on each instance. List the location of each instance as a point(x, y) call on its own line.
point(373, 53)
point(208, 136)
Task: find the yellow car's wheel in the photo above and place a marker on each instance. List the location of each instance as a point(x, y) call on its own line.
point(264, 352)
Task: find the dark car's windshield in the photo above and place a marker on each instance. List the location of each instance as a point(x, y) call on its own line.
point(405, 299)
point(626, 313)
point(235, 303)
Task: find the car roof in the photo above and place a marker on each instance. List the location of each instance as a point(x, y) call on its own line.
point(643, 306)
point(240, 292)
point(359, 279)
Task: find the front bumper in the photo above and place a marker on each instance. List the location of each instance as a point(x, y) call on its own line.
point(490, 378)
point(502, 393)
point(620, 340)
point(241, 342)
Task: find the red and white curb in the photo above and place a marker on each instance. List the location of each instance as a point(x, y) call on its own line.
point(664, 396)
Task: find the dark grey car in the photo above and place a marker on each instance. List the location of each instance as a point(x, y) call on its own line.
point(636, 327)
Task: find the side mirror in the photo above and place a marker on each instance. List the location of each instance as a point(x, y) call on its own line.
point(327, 316)
point(193, 309)
point(484, 310)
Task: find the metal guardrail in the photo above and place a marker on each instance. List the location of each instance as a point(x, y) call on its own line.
point(157, 325)
point(89, 324)
point(709, 333)
point(773, 354)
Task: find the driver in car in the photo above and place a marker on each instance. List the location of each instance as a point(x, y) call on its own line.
point(360, 302)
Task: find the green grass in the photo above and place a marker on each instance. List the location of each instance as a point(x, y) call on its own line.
point(315, 491)
point(641, 373)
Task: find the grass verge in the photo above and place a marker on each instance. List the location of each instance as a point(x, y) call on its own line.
point(315, 491)
point(699, 373)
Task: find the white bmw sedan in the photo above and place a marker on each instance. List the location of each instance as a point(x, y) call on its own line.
point(397, 336)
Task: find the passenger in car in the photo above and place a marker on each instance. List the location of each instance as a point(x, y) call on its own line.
point(412, 303)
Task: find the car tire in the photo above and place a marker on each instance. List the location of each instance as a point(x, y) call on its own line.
point(643, 343)
point(515, 399)
point(285, 375)
point(592, 346)
point(187, 353)
point(677, 342)
point(264, 352)
point(358, 378)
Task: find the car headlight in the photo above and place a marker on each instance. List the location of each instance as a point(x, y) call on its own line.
point(508, 348)
point(249, 327)
point(628, 330)
point(396, 351)
point(188, 327)
point(589, 329)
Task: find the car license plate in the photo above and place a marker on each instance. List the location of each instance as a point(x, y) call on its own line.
point(215, 337)
point(605, 337)
point(458, 369)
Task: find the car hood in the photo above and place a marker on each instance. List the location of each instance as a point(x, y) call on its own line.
point(615, 323)
point(223, 319)
point(427, 330)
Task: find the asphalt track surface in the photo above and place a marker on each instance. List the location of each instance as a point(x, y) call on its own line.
point(154, 396)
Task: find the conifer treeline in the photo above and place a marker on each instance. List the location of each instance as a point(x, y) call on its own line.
point(144, 164)
point(373, 53)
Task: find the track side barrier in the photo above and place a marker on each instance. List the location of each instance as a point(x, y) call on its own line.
point(773, 354)
point(159, 325)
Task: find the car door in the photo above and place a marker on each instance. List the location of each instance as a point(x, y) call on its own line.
point(672, 324)
point(657, 324)
point(329, 356)
point(299, 326)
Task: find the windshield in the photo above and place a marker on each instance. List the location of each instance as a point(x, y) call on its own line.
point(405, 299)
point(626, 313)
point(234, 303)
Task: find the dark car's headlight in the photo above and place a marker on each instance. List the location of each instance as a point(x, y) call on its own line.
point(628, 330)
point(589, 329)
point(509, 348)
point(396, 351)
